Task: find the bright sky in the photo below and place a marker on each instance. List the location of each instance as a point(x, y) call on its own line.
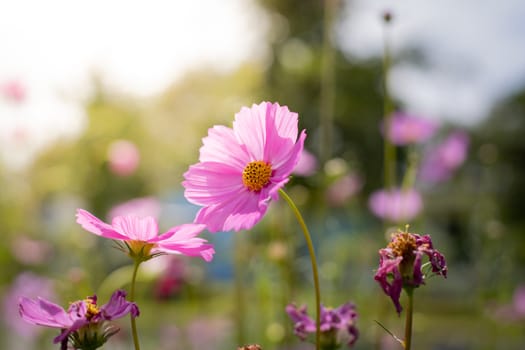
point(475, 48)
point(476, 51)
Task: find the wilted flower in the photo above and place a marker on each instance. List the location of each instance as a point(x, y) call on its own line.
point(396, 205)
point(407, 129)
point(123, 157)
point(441, 162)
point(400, 264)
point(140, 235)
point(243, 168)
point(338, 326)
point(84, 323)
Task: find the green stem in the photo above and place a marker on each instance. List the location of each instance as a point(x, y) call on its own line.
point(313, 260)
point(132, 298)
point(408, 320)
point(388, 108)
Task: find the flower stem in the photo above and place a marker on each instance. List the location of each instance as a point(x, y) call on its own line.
point(390, 155)
point(132, 298)
point(408, 320)
point(310, 245)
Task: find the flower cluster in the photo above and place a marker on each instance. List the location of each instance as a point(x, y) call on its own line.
point(400, 264)
point(338, 326)
point(84, 323)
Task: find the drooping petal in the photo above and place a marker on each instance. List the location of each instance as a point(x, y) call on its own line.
point(240, 212)
point(43, 313)
point(182, 240)
point(94, 225)
point(210, 183)
point(285, 161)
point(139, 229)
point(118, 307)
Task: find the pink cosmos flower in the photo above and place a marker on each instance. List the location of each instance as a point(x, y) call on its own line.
point(406, 129)
point(14, 91)
point(83, 323)
point(396, 205)
point(123, 157)
point(441, 162)
point(243, 168)
point(141, 236)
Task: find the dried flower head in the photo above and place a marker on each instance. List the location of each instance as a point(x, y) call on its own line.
point(400, 264)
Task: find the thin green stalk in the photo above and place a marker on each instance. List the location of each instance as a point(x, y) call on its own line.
point(388, 108)
point(408, 321)
point(132, 298)
point(239, 294)
point(313, 260)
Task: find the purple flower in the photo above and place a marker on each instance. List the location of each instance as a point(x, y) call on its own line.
point(406, 129)
point(243, 168)
point(337, 326)
point(84, 323)
point(141, 236)
point(441, 162)
point(396, 205)
point(400, 264)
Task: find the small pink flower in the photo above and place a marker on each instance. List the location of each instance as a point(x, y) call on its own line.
point(406, 129)
point(14, 91)
point(243, 168)
point(307, 164)
point(141, 236)
point(123, 157)
point(441, 162)
point(342, 189)
point(396, 205)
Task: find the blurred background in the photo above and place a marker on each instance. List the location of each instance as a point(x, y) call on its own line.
point(103, 105)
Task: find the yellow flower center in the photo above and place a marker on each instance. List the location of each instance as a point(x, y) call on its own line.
point(92, 308)
point(403, 245)
point(140, 249)
point(256, 175)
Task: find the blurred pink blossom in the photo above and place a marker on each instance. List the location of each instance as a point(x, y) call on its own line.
point(519, 300)
point(396, 205)
point(440, 162)
point(341, 190)
point(141, 207)
point(13, 91)
point(29, 251)
point(307, 164)
point(123, 157)
point(407, 129)
point(28, 285)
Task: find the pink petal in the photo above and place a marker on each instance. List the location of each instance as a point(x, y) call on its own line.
point(250, 128)
point(236, 213)
point(94, 225)
point(140, 229)
point(222, 146)
point(211, 183)
point(43, 313)
point(285, 161)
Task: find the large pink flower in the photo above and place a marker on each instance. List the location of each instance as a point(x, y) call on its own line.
point(141, 236)
point(242, 169)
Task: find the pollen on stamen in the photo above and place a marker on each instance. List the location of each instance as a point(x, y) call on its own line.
point(256, 175)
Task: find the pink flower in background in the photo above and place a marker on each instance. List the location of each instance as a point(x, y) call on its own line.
point(307, 164)
point(243, 168)
point(140, 235)
point(406, 129)
point(141, 207)
point(13, 91)
point(30, 251)
point(396, 205)
point(123, 157)
point(440, 163)
point(344, 188)
point(27, 285)
point(83, 323)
